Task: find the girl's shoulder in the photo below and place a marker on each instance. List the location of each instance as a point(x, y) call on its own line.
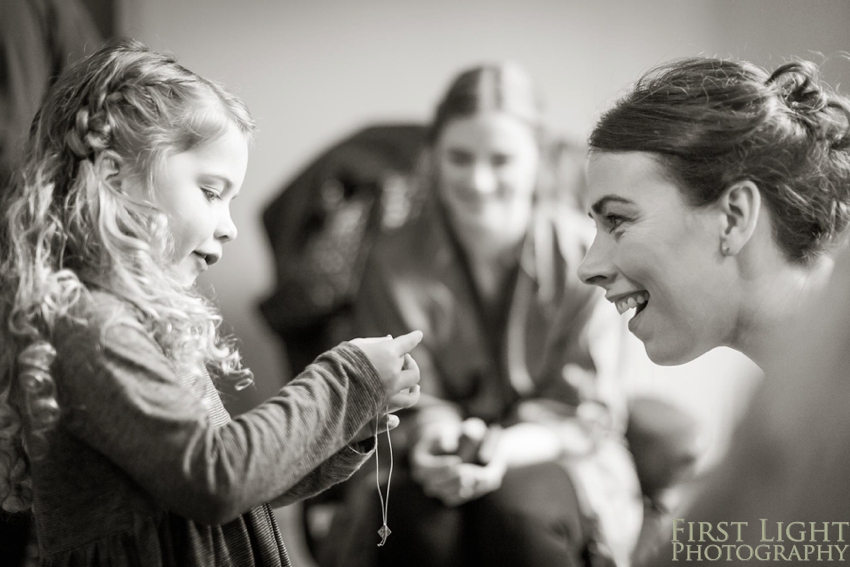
point(94, 313)
point(95, 305)
point(103, 330)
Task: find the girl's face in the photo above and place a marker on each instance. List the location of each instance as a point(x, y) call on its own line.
point(487, 167)
point(195, 189)
point(657, 254)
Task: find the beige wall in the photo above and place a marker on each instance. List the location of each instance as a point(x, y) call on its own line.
point(311, 70)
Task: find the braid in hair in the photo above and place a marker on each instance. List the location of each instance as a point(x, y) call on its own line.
point(71, 225)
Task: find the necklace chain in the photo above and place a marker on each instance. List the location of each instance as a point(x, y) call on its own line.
point(384, 530)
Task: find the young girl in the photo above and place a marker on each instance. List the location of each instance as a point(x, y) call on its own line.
point(111, 430)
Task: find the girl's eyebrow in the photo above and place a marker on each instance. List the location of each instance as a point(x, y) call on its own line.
point(601, 203)
point(221, 178)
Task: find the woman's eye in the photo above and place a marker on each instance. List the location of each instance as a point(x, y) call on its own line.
point(459, 158)
point(500, 160)
point(613, 222)
point(460, 161)
point(210, 195)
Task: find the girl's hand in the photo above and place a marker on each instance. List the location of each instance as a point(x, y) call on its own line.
point(404, 399)
point(396, 368)
point(386, 421)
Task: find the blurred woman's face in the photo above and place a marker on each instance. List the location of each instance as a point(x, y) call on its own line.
point(658, 255)
point(487, 167)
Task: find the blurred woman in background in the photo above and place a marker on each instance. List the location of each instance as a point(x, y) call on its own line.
point(517, 454)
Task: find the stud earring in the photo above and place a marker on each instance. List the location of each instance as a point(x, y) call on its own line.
point(724, 249)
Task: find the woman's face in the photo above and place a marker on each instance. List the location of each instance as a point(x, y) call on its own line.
point(657, 254)
point(487, 167)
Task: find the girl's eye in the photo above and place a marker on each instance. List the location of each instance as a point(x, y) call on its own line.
point(210, 195)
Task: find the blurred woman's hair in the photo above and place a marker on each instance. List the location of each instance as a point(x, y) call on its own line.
point(505, 87)
point(713, 122)
point(493, 87)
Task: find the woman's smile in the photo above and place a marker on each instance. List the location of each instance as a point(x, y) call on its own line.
point(649, 238)
point(635, 300)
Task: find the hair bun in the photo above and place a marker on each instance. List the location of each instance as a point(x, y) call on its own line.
point(799, 87)
point(824, 114)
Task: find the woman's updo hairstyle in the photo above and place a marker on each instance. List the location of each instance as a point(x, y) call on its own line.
point(714, 122)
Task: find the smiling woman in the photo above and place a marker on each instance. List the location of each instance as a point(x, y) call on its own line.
point(717, 190)
point(720, 193)
point(651, 251)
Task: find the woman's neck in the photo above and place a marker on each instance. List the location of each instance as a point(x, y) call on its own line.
point(490, 262)
point(778, 298)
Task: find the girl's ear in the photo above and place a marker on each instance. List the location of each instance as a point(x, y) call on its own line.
point(113, 172)
point(740, 206)
point(107, 168)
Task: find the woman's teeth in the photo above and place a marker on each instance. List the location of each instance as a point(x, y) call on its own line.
point(631, 301)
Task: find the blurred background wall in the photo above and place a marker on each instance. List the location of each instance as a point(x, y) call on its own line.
point(312, 71)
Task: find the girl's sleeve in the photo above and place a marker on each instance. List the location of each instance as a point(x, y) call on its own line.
point(120, 395)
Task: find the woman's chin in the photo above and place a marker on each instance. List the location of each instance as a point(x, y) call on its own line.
point(667, 353)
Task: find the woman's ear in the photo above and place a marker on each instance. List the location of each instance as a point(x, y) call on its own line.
point(740, 206)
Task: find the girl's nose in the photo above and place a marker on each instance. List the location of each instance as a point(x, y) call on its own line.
point(596, 268)
point(226, 229)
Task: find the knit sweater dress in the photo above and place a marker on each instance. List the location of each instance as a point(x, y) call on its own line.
point(146, 467)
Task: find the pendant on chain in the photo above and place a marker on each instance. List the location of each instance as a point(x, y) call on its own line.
point(384, 531)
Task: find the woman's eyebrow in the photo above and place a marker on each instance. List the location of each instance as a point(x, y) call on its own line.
point(600, 204)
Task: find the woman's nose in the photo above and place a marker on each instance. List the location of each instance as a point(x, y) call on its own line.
point(483, 179)
point(596, 268)
point(226, 229)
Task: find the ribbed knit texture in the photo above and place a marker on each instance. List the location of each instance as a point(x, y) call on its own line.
point(146, 467)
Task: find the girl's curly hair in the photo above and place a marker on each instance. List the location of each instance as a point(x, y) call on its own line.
point(70, 226)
